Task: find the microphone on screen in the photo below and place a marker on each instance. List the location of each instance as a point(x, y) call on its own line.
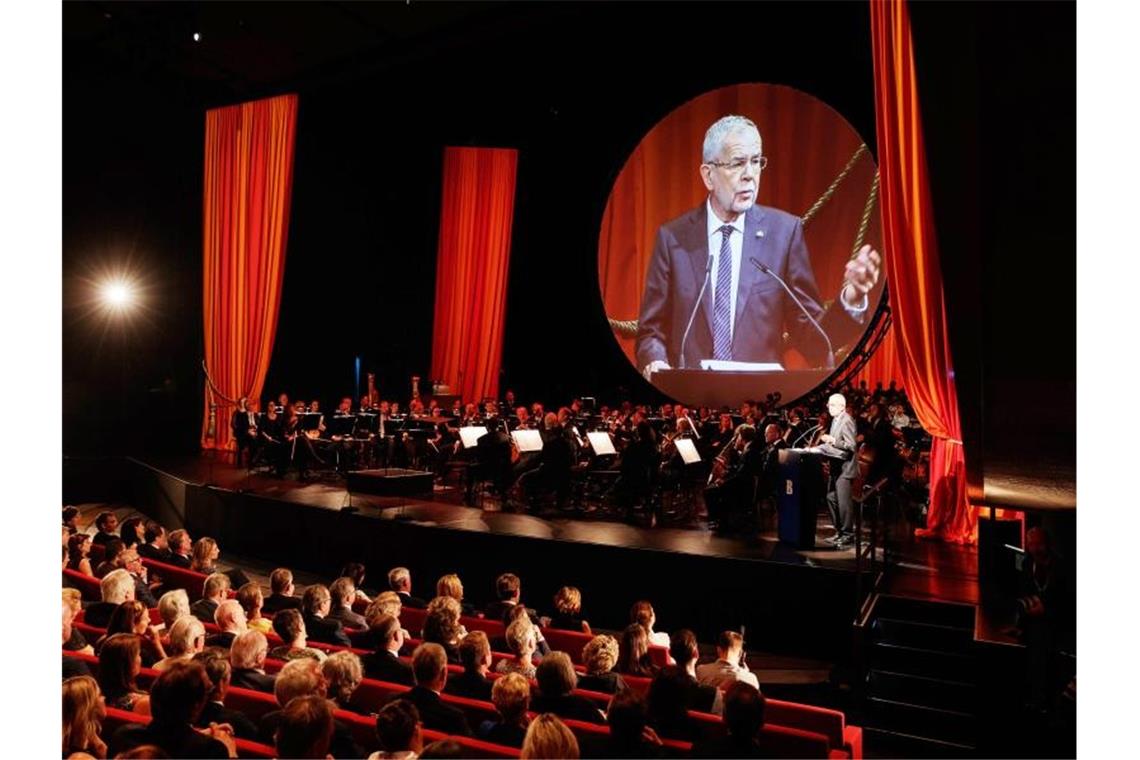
point(768, 271)
point(697, 305)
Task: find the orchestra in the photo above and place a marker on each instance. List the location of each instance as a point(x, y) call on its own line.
point(734, 476)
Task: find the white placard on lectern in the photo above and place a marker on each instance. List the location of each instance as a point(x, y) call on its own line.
point(601, 443)
point(687, 450)
point(722, 365)
point(471, 435)
point(527, 440)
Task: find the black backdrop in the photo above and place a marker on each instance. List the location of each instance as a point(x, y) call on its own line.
point(573, 87)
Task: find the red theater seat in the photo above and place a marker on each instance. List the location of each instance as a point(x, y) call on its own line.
point(177, 577)
point(820, 720)
point(116, 718)
point(88, 586)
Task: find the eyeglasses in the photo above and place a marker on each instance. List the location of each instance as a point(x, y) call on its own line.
point(736, 165)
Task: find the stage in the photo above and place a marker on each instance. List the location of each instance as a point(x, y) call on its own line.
point(720, 581)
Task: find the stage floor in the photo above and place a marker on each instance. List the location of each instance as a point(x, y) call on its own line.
point(445, 509)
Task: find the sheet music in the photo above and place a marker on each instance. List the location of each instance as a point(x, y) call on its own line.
point(601, 443)
point(688, 450)
point(470, 435)
point(527, 440)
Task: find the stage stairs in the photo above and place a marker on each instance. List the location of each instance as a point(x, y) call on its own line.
point(919, 677)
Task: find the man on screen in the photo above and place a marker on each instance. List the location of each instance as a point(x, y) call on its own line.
point(743, 311)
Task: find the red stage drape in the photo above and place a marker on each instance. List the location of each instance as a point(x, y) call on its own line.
point(245, 223)
point(883, 365)
point(912, 267)
point(471, 269)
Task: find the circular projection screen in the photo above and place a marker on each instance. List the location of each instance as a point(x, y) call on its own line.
point(784, 204)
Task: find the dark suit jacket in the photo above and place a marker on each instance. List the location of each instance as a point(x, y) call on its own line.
point(471, 685)
point(216, 712)
point(504, 734)
point(175, 741)
point(568, 706)
point(326, 631)
point(606, 683)
point(763, 310)
point(385, 666)
point(150, 552)
point(348, 618)
point(102, 539)
point(179, 561)
point(225, 640)
point(342, 744)
point(204, 609)
point(274, 603)
point(247, 678)
point(435, 714)
point(411, 601)
point(99, 614)
point(73, 666)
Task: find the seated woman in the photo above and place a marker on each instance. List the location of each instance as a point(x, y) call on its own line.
point(556, 679)
point(290, 626)
point(119, 666)
point(111, 551)
point(79, 554)
point(355, 570)
point(450, 585)
point(133, 532)
point(441, 626)
point(568, 611)
point(251, 600)
point(511, 697)
point(344, 673)
point(642, 612)
point(600, 655)
point(132, 617)
point(634, 657)
point(204, 559)
point(83, 714)
point(76, 642)
point(522, 642)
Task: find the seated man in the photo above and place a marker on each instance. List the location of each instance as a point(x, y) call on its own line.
point(306, 728)
point(181, 548)
point(315, 605)
point(508, 589)
point(116, 587)
point(214, 591)
point(556, 679)
point(154, 545)
point(399, 730)
point(511, 697)
point(107, 524)
point(429, 665)
point(400, 581)
point(217, 664)
point(303, 678)
point(384, 664)
point(230, 617)
point(475, 654)
point(702, 698)
point(247, 658)
point(173, 605)
point(729, 665)
point(343, 593)
point(290, 626)
point(743, 719)
point(281, 593)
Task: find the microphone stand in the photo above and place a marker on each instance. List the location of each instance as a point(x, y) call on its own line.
point(768, 271)
point(696, 306)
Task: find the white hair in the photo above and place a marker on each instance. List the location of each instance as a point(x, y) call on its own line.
point(228, 614)
point(185, 631)
point(722, 128)
point(117, 586)
point(173, 605)
point(248, 650)
point(837, 398)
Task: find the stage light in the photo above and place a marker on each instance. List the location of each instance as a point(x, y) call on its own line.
point(197, 37)
point(117, 295)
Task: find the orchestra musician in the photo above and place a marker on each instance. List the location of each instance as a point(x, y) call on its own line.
point(730, 497)
point(243, 423)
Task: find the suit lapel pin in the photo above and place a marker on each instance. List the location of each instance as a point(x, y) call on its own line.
point(759, 233)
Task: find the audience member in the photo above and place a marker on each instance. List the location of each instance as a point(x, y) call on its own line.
point(129, 560)
point(281, 593)
point(154, 545)
point(444, 749)
point(600, 655)
point(450, 585)
point(180, 544)
point(508, 590)
point(556, 679)
point(441, 626)
point(511, 697)
point(701, 697)
point(215, 590)
point(548, 738)
point(305, 729)
point(251, 601)
point(111, 551)
point(71, 519)
point(743, 719)
point(315, 605)
point(290, 627)
point(630, 734)
point(119, 666)
point(383, 664)
point(83, 713)
point(429, 666)
point(729, 665)
point(173, 605)
point(643, 614)
point(343, 593)
point(187, 639)
point(133, 618)
point(204, 559)
point(247, 658)
point(177, 699)
point(522, 642)
point(303, 678)
point(385, 603)
point(79, 554)
point(633, 657)
point(133, 532)
point(355, 571)
point(568, 611)
point(343, 672)
point(216, 662)
point(400, 581)
point(107, 525)
point(73, 638)
point(72, 666)
point(230, 618)
point(475, 655)
point(399, 732)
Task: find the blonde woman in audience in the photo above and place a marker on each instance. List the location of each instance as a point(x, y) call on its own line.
point(344, 673)
point(548, 738)
point(511, 697)
point(442, 626)
point(600, 655)
point(568, 611)
point(251, 600)
point(450, 585)
point(83, 714)
point(385, 603)
point(76, 641)
point(523, 643)
point(187, 638)
point(204, 555)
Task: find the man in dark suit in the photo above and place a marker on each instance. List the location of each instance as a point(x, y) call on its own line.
point(400, 581)
point(315, 605)
point(154, 545)
point(384, 663)
point(108, 528)
point(744, 311)
point(230, 617)
point(343, 593)
point(179, 544)
point(508, 588)
point(684, 651)
point(243, 424)
point(116, 587)
point(475, 654)
point(247, 658)
point(839, 445)
point(214, 590)
point(281, 593)
point(429, 665)
point(216, 662)
point(743, 719)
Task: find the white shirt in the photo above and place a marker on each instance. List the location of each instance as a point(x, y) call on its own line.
point(736, 246)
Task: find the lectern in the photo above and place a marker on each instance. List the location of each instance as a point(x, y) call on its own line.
point(800, 490)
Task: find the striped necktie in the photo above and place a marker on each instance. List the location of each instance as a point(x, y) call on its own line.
point(722, 305)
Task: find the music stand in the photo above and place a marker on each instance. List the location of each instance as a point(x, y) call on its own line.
point(527, 440)
point(470, 435)
point(601, 443)
point(688, 450)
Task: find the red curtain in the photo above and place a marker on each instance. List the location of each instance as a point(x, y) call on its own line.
point(883, 365)
point(912, 267)
point(471, 269)
point(245, 223)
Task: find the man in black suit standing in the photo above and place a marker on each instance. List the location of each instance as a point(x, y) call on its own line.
point(839, 444)
point(315, 605)
point(429, 665)
point(384, 663)
point(400, 581)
